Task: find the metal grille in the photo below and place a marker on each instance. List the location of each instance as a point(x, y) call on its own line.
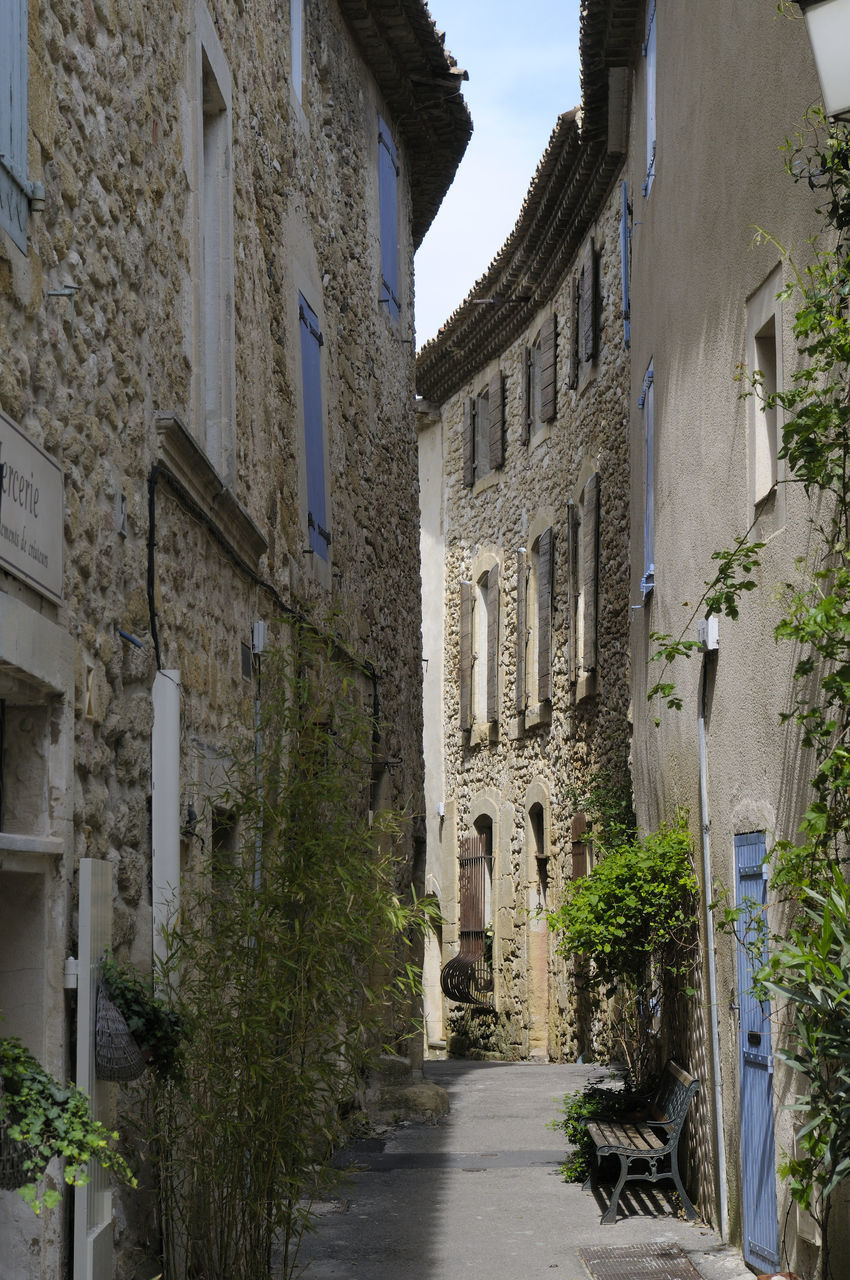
point(470, 973)
point(639, 1262)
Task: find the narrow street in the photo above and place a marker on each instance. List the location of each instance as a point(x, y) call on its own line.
point(479, 1196)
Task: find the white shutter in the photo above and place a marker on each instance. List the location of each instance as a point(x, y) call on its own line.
point(165, 805)
point(93, 1203)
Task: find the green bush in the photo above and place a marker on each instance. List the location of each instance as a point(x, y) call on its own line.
point(591, 1103)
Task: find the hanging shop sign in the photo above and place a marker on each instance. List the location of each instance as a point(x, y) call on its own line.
point(31, 511)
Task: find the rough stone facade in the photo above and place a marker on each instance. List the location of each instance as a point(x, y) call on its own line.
point(151, 345)
point(516, 771)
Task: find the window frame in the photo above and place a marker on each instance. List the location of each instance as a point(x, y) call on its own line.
point(214, 336)
point(388, 175)
point(319, 534)
point(646, 403)
point(764, 338)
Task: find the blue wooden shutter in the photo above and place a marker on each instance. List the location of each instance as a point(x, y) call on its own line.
point(14, 205)
point(388, 199)
point(314, 443)
point(651, 139)
point(759, 1225)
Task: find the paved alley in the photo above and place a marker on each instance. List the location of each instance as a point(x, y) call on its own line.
point(478, 1196)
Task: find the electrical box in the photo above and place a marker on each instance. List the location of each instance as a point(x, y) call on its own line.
point(708, 634)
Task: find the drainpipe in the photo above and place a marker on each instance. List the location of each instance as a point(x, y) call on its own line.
point(720, 1141)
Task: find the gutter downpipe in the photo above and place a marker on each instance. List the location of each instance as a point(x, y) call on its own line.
point(720, 1141)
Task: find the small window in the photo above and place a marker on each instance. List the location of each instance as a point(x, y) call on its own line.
point(647, 404)
point(649, 60)
point(388, 171)
point(318, 532)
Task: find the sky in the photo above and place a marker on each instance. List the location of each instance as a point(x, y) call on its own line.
point(523, 69)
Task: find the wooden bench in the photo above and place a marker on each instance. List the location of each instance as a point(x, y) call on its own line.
point(646, 1144)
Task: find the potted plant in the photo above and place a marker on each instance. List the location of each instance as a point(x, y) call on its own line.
point(47, 1119)
point(157, 1029)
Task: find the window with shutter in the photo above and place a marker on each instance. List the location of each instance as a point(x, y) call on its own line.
point(526, 407)
point(465, 640)
point(215, 341)
point(573, 527)
point(572, 350)
point(590, 572)
point(493, 645)
point(647, 405)
point(318, 533)
point(544, 550)
point(15, 191)
point(649, 61)
point(589, 307)
point(469, 442)
point(496, 423)
point(388, 171)
point(480, 433)
point(521, 629)
point(548, 355)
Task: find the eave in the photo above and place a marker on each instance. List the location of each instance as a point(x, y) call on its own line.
point(566, 193)
point(421, 85)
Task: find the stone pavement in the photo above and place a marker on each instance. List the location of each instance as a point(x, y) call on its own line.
point(478, 1195)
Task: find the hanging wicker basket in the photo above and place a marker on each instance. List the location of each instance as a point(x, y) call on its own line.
point(12, 1156)
point(116, 1054)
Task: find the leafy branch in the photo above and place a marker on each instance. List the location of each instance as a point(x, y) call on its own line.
point(722, 595)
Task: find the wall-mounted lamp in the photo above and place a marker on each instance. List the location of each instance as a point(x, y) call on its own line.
point(828, 23)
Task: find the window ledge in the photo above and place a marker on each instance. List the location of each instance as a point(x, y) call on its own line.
point(538, 715)
point(540, 433)
point(483, 732)
point(53, 846)
point(185, 461)
point(486, 482)
point(586, 686)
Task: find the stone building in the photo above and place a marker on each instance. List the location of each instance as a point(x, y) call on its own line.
point(523, 448)
point(207, 222)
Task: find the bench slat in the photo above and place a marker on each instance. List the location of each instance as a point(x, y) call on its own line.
point(639, 1137)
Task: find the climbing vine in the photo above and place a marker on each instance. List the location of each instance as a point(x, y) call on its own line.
point(809, 964)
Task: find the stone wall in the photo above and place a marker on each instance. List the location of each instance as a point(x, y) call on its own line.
point(555, 749)
point(107, 377)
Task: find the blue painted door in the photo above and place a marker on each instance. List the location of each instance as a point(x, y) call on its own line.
point(760, 1228)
